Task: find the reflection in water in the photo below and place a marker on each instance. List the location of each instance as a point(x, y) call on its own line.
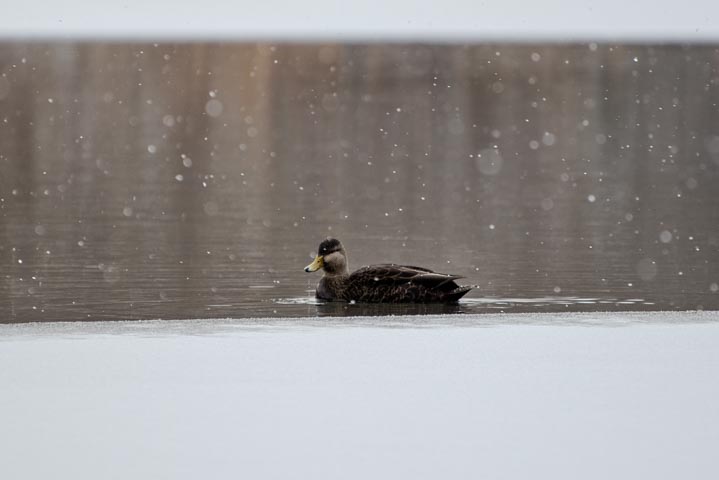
point(468, 306)
point(344, 309)
point(194, 180)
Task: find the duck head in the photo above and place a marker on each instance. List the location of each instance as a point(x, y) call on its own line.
point(331, 257)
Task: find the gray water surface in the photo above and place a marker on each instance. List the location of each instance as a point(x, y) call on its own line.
point(195, 180)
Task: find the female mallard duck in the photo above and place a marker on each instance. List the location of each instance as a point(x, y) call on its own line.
point(388, 283)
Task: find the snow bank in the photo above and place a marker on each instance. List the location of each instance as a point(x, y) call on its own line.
point(492, 396)
point(457, 20)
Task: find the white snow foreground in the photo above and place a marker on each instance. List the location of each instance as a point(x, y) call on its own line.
point(492, 396)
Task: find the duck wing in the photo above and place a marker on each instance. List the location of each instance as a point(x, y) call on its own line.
point(402, 283)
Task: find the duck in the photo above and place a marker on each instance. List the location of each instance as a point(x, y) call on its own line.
point(384, 283)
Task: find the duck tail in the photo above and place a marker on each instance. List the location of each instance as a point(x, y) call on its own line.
point(457, 293)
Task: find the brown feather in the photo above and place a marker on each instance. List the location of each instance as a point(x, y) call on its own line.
point(386, 283)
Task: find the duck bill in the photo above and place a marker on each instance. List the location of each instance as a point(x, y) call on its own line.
point(315, 265)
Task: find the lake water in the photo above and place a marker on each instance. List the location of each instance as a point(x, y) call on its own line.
point(171, 181)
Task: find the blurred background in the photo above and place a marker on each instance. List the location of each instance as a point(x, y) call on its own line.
point(162, 161)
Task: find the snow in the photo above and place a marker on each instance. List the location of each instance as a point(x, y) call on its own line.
point(620, 395)
point(456, 20)
point(214, 107)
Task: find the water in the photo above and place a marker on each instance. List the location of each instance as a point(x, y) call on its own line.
point(195, 180)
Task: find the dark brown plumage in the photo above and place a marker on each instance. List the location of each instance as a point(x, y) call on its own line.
point(387, 283)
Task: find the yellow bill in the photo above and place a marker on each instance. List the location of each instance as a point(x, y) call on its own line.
point(315, 265)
